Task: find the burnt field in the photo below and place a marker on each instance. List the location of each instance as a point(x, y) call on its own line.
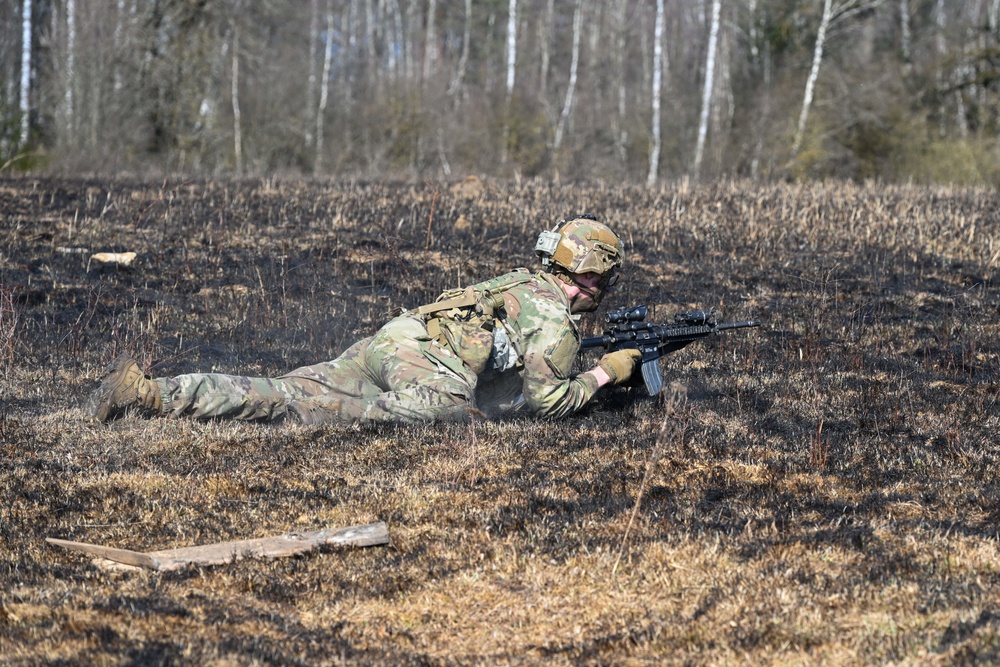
point(825, 489)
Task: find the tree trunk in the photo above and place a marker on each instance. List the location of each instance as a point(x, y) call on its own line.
point(311, 76)
point(904, 30)
point(117, 46)
point(25, 97)
point(456, 82)
point(511, 70)
point(70, 126)
point(409, 51)
point(430, 45)
point(706, 96)
point(396, 39)
point(621, 134)
point(654, 154)
point(942, 47)
point(571, 88)
point(324, 88)
point(511, 46)
point(545, 42)
point(235, 94)
point(371, 39)
point(813, 75)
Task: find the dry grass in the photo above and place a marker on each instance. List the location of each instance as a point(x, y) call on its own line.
point(826, 495)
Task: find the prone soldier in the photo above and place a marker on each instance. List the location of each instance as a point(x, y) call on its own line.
point(478, 348)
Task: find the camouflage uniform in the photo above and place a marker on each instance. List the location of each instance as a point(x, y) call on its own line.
point(422, 365)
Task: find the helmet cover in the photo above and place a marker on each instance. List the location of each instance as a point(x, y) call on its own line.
point(581, 245)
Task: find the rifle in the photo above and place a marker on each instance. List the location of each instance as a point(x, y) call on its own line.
point(627, 330)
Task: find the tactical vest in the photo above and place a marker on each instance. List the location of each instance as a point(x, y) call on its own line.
point(465, 319)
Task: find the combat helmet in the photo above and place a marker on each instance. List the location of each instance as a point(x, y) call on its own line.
point(581, 245)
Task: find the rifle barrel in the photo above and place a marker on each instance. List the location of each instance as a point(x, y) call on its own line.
point(738, 325)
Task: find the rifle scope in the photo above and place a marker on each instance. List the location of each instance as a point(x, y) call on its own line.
point(634, 314)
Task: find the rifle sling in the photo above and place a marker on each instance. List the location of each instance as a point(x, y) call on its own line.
point(467, 299)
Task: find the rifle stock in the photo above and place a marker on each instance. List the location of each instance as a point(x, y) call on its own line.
point(627, 329)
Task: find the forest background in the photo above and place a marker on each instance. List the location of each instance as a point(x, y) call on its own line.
point(636, 91)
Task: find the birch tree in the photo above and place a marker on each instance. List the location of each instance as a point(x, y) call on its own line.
point(324, 88)
point(25, 95)
point(904, 29)
point(119, 46)
point(235, 95)
point(621, 134)
point(430, 43)
point(511, 69)
point(807, 98)
point(544, 40)
point(940, 24)
point(706, 96)
point(654, 154)
point(455, 88)
point(571, 87)
point(831, 14)
point(371, 41)
point(311, 69)
point(511, 46)
point(70, 69)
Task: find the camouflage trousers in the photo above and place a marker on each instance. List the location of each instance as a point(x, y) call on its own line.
point(399, 374)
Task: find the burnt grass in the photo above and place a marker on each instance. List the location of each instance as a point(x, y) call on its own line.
point(824, 492)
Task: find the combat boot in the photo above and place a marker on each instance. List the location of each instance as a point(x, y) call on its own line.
point(124, 385)
point(314, 411)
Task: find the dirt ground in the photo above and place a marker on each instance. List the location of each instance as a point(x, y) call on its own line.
point(823, 491)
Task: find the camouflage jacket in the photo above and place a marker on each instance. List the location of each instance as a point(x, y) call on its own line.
point(528, 348)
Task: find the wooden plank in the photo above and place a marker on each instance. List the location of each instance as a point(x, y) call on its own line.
point(372, 534)
point(123, 556)
point(366, 535)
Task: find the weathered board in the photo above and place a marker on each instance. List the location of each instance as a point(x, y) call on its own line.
point(371, 534)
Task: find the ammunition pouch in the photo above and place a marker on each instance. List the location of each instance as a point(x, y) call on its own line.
point(464, 319)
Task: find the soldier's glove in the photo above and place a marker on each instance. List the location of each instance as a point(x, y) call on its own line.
point(620, 365)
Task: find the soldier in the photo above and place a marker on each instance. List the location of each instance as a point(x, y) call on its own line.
point(481, 348)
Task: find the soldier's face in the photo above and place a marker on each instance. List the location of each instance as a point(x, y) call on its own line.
point(590, 290)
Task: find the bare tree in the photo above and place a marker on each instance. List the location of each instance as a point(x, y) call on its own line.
point(904, 29)
point(324, 88)
point(235, 95)
point(455, 88)
point(311, 68)
point(409, 50)
point(371, 41)
point(831, 14)
point(571, 87)
point(511, 46)
point(654, 154)
point(940, 22)
point(69, 98)
point(807, 99)
point(706, 97)
point(621, 134)
point(511, 70)
point(25, 97)
point(545, 40)
point(430, 44)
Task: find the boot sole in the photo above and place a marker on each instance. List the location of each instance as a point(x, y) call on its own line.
point(98, 405)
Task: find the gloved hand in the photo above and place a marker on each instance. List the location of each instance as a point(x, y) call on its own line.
point(620, 365)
